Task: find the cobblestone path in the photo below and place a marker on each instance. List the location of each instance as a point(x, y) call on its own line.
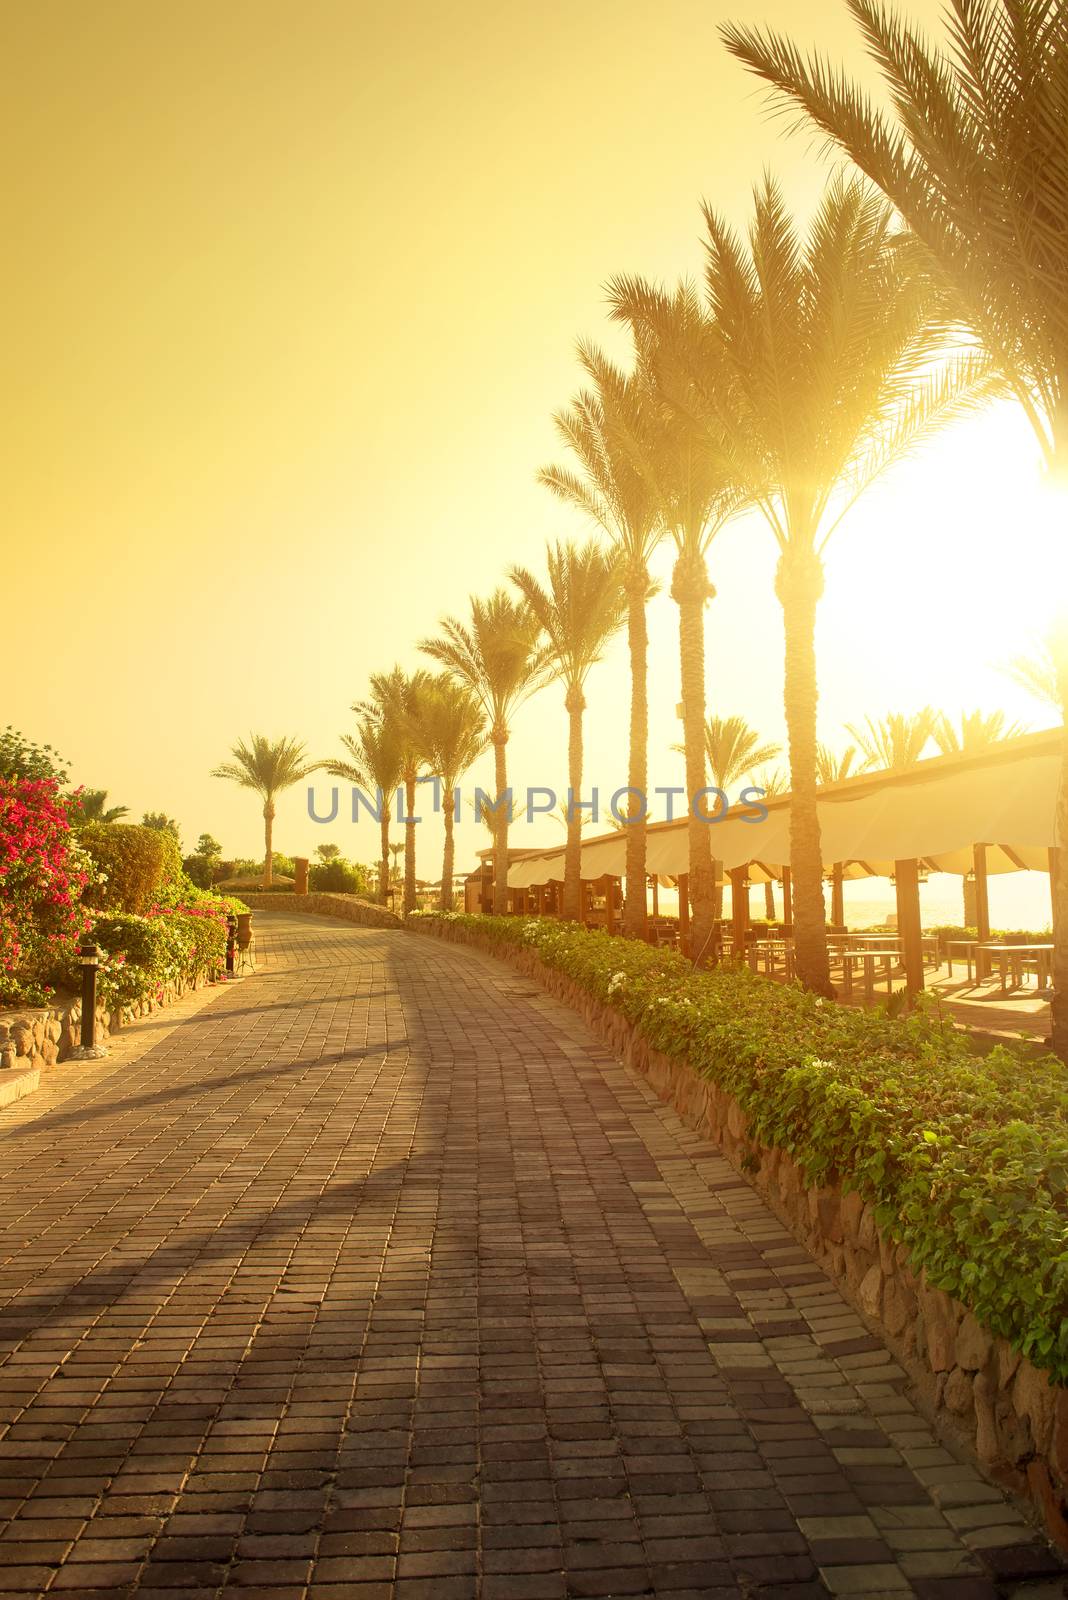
point(379, 1277)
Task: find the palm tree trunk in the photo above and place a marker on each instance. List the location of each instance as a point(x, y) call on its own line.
point(268, 845)
point(572, 910)
point(769, 900)
point(1059, 884)
point(1059, 863)
point(449, 854)
point(691, 590)
point(799, 585)
point(634, 905)
point(409, 843)
point(383, 865)
point(500, 823)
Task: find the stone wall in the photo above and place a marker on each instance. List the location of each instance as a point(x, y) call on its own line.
point(1014, 1418)
point(41, 1036)
point(347, 906)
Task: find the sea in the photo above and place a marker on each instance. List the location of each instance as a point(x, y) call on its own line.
point(1018, 900)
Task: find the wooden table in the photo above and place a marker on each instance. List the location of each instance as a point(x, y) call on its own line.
point(773, 953)
point(968, 946)
point(1011, 958)
point(889, 959)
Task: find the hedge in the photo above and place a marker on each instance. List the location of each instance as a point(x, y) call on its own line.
point(963, 1157)
point(143, 955)
point(132, 861)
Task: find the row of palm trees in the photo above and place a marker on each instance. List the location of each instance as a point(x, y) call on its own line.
point(806, 364)
point(735, 750)
point(973, 158)
point(417, 725)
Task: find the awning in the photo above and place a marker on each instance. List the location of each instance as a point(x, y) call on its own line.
point(934, 812)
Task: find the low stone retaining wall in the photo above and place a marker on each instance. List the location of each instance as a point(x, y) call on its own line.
point(1015, 1419)
point(349, 907)
point(41, 1036)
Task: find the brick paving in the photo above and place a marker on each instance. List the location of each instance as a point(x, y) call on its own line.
point(380, 1277)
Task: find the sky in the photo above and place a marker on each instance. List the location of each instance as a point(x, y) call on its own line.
point(290, 295)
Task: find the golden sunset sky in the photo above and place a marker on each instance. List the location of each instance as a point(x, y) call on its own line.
point(291, 293)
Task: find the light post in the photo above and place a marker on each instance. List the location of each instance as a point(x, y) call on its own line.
point(88, 1049)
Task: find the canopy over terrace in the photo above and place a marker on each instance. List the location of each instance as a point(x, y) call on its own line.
point(988, 811)
point(933, 813)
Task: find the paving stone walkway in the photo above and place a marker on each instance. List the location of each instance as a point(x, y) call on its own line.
point(380, 1277)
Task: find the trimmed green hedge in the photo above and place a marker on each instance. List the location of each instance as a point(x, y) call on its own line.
point(964, 1158)
point(132, 861)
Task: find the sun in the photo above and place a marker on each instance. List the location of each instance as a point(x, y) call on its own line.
point(946, 571)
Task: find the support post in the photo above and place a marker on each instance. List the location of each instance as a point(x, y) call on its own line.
point(1054, 857)
point(787, 896)
point(837, 896)
point(982, 908)
point(684, 912)
point(909, 925)
point(609, 903)
point(739, 877)
point(656, 895)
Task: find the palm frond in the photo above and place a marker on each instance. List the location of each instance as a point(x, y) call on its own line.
point(974, 156)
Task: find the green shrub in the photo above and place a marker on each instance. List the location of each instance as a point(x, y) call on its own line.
point(1006, 935)
point(964, 1158)
point(198, 870)
point(337, 877)
point(171, 867)
point(132, 860)
point(143, 955)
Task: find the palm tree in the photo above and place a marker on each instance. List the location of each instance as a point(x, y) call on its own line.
point(772, 783)
point(1038, 673)
point(579, 610)
point(496, 655)
point(450, 732)
point(894, 742)
point(832, 768)
point(975, 158)
point(94, 807)
point(374, 765)
point(393, 706)
point(268, 767)
point(811, 372)
point(732, 750)
point(695, 498)
point(975, 731)
point(608, 427)
point(561, 814)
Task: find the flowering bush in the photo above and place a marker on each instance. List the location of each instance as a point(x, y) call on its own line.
point(144, 955)
point(180, 939)
point(43, 875)
point(963, 1157)
point(51, 873)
